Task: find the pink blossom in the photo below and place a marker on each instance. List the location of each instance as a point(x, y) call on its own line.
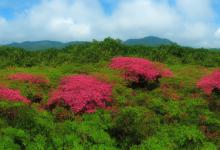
point(167, 73)
point(210, 82)
point(26, 77)
point(12, 95)
point(83, 93)
point(136, 68)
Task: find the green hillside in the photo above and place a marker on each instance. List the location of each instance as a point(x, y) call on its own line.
point(42, 45)
point(161, 113)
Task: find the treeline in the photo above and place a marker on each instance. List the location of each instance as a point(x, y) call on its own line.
point(97, 51)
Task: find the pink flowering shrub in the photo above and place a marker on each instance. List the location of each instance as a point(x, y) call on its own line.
point(136, 69)
point(26, 77)
point(165, 72)
point(12, 95)
point(82, 93)
point(210, 83)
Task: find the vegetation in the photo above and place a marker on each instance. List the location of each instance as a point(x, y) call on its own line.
point(175, 114)
point(103, 51)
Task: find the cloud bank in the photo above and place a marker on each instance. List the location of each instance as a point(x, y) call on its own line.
point(188, 22)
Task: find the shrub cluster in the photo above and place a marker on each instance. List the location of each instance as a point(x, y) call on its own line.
point(12, 95)
point(136, 69)
point(210, 83)
point(83, 93)
point(26, 77)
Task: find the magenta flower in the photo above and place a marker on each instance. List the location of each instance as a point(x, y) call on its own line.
point(83, 93)
point(26, 77)
point(209, 83)
point(12, 95)
point(136, 68)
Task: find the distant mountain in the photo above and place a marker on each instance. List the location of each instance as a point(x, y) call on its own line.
point(149, 41)
point(41, 45)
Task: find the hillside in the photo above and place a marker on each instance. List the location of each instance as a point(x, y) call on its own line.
point(42, 45)
point(149, 41)
point(108, 95)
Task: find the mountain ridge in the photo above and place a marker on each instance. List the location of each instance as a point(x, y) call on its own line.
point(44, 44)
point(47, 44)
point(149, 41)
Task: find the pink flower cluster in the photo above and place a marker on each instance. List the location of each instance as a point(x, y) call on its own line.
point(210, 82)
point(165, 72)
point(136, 68)
point(12, 95)
point(26, 77)
point(83, 93)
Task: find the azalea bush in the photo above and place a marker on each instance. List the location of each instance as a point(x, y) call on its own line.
point(210, 82)
point(12, 95)
point(82, 93)
point(34, 87)
point(27, 77)
point(140, 70)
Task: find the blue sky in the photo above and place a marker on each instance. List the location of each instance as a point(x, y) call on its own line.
point(189, 22)
point(9, 8)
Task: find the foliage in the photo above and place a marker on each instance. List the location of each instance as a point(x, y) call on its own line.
point(132, 125)
point(176, 137)
point(104, 50)
point(12, 138)
point(26, 128)
point(89, 134)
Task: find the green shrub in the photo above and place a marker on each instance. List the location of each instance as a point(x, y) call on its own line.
point(132, 125)
point(175, 137)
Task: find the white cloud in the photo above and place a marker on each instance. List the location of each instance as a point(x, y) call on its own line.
point(140, 18)
point(195, 31)
point(186, 22)
point(195, 9)
point(217, 33)
point(2, 21)
point(55, 20)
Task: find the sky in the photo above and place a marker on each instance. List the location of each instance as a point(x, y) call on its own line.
point(193, 23)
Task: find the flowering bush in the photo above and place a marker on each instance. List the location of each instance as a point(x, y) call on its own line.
point(165, 72)
point(210, 83)
point(12, 95)
point(26, 77)
point(83, 93)
point(136, 69)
